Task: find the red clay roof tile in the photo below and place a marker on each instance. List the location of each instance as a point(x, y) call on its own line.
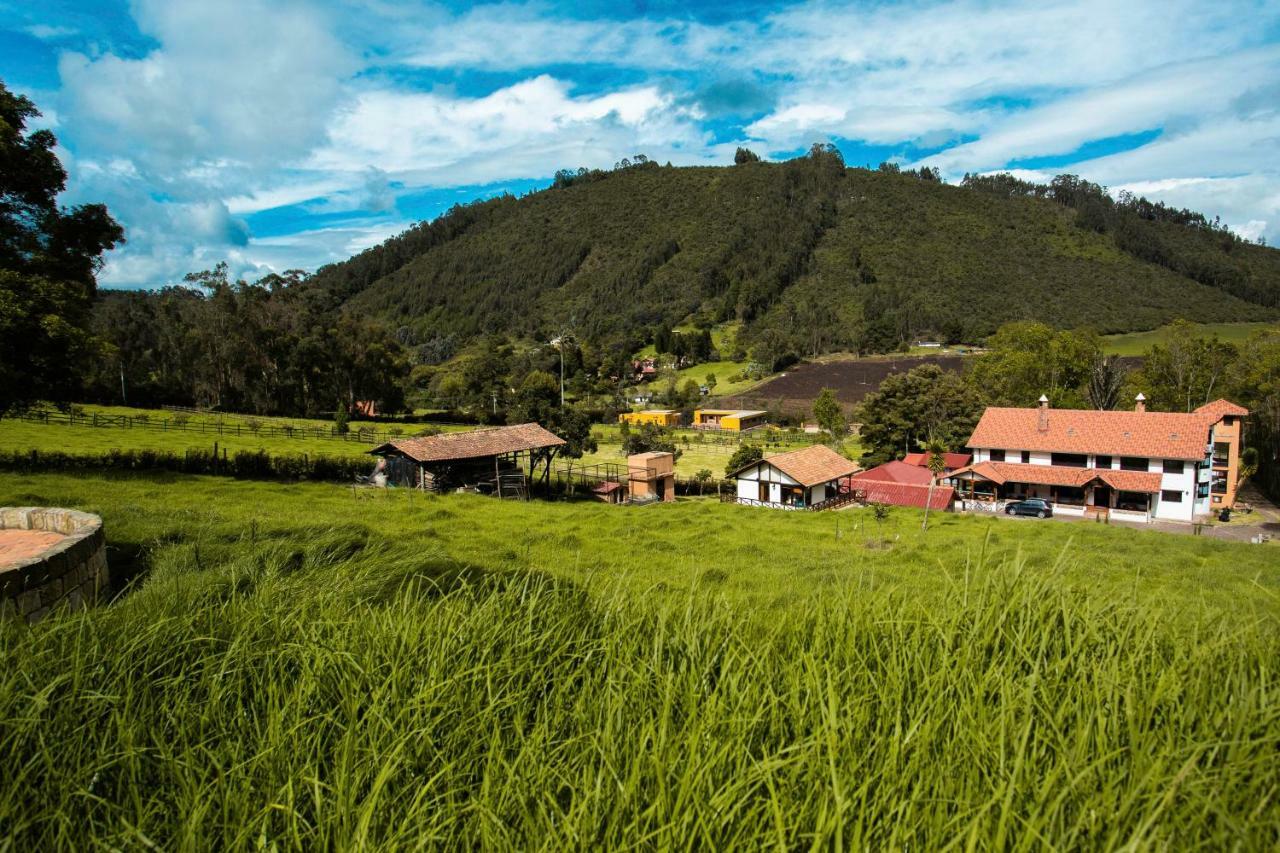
point(1167, 435)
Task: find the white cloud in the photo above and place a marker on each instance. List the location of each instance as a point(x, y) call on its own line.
point(528, 129)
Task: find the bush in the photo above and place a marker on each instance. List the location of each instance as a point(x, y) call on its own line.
point(245, 464)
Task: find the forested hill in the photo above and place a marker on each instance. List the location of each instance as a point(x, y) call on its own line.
point(810, 255)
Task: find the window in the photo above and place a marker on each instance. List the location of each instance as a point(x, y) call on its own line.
point(1219, 483)
point(997, 456)
point(1171, 496)
point(1068, 495)
point(1133, 501)
point(1070, 460)
point(1134, 463)
point(1202, 491)
point(1173, 466)
point(1221, 454)
point(1026, 457)
point(1102, 462)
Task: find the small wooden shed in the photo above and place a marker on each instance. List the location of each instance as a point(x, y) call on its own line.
point(498, 460)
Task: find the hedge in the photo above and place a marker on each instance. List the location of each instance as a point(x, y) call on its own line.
point(244, 464)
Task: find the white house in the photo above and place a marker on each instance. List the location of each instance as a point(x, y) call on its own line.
point(1133, 465)
point(800, 479)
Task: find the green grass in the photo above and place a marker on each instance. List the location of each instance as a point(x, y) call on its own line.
point(1137, 343)
point(28, 435)
point(303, 668)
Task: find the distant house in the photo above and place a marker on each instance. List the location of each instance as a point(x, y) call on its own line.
point(901, 484)
point(800, 479)
point(950, 461)
point(1135, 465)
point(651, 477)
point(644, 369)
point(731, 420)
point(659, 417)
point(492, 461)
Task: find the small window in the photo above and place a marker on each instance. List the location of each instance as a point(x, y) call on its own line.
point(997, 456)
point(1026, 457)
point(1070, 460)
point(1170, 496)
point(1134, 463)
point(1102, 462)
point(1173, 466)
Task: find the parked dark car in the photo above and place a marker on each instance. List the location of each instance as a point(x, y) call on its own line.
point(1031, 506)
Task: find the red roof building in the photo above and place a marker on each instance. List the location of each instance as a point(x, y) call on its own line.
point(897, 472)
point(950, 461)
point(903, 494)
point(1134, 464)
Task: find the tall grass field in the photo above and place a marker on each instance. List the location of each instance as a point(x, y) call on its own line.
point(308, 667)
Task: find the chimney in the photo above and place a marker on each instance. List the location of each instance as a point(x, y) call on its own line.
point(1043, 425)
point(1141, 405)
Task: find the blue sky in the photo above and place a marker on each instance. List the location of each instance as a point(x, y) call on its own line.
point(277, 134)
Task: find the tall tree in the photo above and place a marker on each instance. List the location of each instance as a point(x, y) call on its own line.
point(49, 257)
point(829, 415)
point(909, 407)
point(1187, 371)
point(1025, 360)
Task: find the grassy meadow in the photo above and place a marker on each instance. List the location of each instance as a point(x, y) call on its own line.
point(238, 433)
point(1137, 343)
point(306, 666)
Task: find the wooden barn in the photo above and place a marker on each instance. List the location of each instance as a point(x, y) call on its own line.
point(499, 461)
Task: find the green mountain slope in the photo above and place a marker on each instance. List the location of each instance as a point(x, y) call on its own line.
point(809, 255)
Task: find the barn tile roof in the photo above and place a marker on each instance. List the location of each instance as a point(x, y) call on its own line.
point(903, 494)
point(1168, 435)
point(950, 460)
point(1220, 408)
point(810, 465)
point(473, 444)
point(1057, 475)
point(896, 472)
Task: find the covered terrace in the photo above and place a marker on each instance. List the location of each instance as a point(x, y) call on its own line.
point(1110, 493)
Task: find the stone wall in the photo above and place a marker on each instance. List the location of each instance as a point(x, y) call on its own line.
point(71, 573)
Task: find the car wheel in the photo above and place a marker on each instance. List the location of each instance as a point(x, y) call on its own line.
point(1040, 514)
point(1009, 511)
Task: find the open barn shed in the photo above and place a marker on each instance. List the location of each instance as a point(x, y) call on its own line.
point(500, 461)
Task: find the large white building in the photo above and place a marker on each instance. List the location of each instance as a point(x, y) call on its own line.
point(1135, 465)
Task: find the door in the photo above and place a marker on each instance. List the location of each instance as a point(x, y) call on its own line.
point(764, 492)
point(1102, 496)
point(662, 488)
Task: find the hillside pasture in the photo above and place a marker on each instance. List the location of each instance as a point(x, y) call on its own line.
point(1137, 343)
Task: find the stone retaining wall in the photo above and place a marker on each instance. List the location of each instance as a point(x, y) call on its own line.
point(71, 573)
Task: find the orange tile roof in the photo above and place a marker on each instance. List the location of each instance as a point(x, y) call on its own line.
point(1167, 435)
point(473, 444)
point(950, 460)
point(1220, 408)
point(902, 494)
point(896, 472)
point(811, 465)
point(1057, 475)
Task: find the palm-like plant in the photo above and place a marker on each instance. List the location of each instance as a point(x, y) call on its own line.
point(936, 459)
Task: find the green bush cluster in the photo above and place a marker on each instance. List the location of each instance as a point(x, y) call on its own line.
point(247, 464)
